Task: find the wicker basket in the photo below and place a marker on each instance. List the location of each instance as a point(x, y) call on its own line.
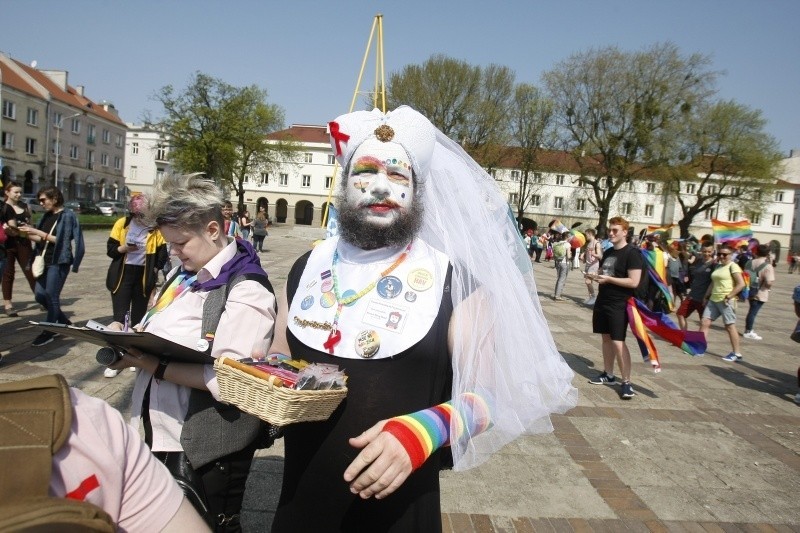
point(276, 404)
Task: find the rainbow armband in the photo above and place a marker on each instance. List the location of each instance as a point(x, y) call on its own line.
point(423, 432)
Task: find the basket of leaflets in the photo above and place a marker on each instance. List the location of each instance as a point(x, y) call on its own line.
point(282, 391)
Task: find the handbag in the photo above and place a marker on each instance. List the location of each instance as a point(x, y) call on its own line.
point(37, 268)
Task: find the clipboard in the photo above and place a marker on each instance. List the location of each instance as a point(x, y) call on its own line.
point(144, 341)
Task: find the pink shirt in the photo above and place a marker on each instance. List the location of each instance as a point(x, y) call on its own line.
point(106, 463)
point(245, 328)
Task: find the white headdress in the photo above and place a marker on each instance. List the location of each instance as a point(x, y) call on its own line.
point(503, 349)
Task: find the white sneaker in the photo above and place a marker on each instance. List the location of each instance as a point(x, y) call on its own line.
point(110, 373)
point(752, 335)
point(132, 368)
point(797, 398)
point(590, 300)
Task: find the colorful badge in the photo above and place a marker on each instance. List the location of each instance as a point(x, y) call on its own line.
point(327, 285)
point(389, 287)
point(349, 293)
point(327, 300)
point(325, 275)
point(420, 279)
point(307, 302)
point(202, 345)
point(367, 343)
point(411, 296)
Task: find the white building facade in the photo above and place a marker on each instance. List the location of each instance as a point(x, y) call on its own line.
point(146, 158)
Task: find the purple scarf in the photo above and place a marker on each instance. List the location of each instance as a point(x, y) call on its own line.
point(245, 261)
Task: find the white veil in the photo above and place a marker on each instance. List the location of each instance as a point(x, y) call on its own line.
point(503, 350)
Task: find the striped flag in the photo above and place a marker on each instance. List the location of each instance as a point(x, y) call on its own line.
point(657, 270)
point(731, 231)
point(654, 229)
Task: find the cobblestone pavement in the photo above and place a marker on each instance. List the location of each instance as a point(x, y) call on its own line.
point(705, 445)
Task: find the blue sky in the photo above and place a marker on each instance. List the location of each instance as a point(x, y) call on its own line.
point(307, 54)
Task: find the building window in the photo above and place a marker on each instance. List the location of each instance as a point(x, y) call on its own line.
point(513, 198)
point(134, 173)
point(104, 160)
point(758, 195)
point(90, 159)
point(559, 179)
point(30, 146)
point(733, 214)
point(56, 148)
point(57, 118)
point(92, 137)
point(161, 153)
point(106, 136)
point(582, 183)
point(331, 159)
point(515, 175)
point(9, 109)
point(651, 188)
point(117, 162)
point(736, 191)
point(328, 181)
point(76, 126)
point(558, 202)
point(159, 174)
point(627, 208)
point(265, 178)
point(628, 186)
point(777, 221)
point(755, 218)
point(536, 200)
point(649, 209)
point(580, 205)
point(492, 172)
point(283, 179)
point(134, 148)
point(711, 213)
point(690, 188)
point(73, 151)
point(119, 140)
point(307, 157)
point(712, 189)
point(537, 177)
point(33, 117)
point(8, 140)
point(306, 181)
point(779, 196)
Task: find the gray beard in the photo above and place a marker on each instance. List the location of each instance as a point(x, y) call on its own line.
point(355, 229)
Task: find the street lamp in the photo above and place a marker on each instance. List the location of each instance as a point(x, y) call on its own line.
point(58, 142)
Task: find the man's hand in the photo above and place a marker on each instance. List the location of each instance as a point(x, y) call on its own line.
point(381, 466)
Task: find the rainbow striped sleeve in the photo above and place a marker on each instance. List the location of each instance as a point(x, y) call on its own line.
point(423, 432)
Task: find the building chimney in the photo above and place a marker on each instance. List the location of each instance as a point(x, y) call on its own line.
point(79, 90)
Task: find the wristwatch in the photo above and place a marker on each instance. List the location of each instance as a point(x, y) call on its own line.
point(162, 367)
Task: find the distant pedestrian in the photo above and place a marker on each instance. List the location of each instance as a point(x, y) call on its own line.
point(591, 256)
point(762, 276)
point(13, 214)
point(561, 250)
point(700, 267)
point(231, 223)
point(536, 242)
point(726, 284)
point(245, 224)
point(259, 231)
point(619, 274)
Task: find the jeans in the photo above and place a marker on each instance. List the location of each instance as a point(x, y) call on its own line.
point(562, 269)
point(246, 233)
point(258, 242)
point(755, 307)
point(48, 292)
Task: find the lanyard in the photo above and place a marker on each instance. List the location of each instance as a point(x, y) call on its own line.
point(178, 286)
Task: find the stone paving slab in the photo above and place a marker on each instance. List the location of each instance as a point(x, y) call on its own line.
point(705, 445)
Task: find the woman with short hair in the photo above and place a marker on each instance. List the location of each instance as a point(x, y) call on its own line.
point(54, 236)
point(207, 444)
point(726, 284)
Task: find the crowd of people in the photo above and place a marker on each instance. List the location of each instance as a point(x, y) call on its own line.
point(401, 294)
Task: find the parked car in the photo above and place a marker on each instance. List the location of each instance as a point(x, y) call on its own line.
point(83, 207)
point(33, 203)
point(112, 208)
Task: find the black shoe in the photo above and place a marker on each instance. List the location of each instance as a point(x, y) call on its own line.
point(44, 337)
point(626, 391)
point(604, 379)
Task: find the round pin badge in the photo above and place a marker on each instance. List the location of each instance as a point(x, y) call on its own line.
point(327, 285)
point(367, 343)
point(307, 302)
point(202, 345)
point(420, 279)
point(349, 293)
point(327, 300)
point(411, 296)
point(389, 287)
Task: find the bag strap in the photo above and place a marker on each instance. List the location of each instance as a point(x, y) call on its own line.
point(52, 229)
point(35, 421)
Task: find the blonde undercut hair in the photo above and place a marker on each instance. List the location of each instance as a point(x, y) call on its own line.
point(186, 201)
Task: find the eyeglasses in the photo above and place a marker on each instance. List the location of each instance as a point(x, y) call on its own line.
point(42, 199)
point(614, 230)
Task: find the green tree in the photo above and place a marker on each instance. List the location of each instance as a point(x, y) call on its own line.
point(618, 112)
point(532, 122)
point(725, 158)
point(216, 128)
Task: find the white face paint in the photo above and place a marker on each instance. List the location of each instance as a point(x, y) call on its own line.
point(379, 182)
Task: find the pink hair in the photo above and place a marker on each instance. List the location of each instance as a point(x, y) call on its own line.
point(138, 204)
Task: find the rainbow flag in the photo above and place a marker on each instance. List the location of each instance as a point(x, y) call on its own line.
point(654, 229)
point(731, 231)
point(657, 270)
point(641, 319)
